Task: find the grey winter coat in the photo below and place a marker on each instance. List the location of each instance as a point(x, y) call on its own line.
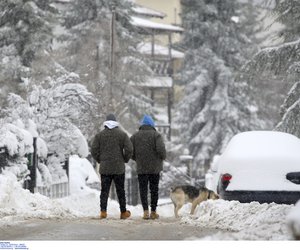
point(148, 150)
point(112, 148)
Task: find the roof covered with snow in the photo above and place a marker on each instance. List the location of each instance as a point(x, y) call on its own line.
point(145, 11)
point(147, 24)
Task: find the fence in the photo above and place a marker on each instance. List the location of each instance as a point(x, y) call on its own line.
point(132, 190)
point(58, 190)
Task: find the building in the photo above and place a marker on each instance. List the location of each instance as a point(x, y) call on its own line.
point(171, 9)
point(165, 61)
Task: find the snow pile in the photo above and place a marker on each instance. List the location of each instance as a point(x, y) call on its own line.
point(81, 174)
point(18, 204)
point(243, 221)
point(293, 221)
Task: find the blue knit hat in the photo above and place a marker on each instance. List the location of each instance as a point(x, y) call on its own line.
point(147, 120)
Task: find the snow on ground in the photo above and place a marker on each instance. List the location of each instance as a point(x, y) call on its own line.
point(251, 221)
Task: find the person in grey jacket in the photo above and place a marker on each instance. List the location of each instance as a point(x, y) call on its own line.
point(112, 148)
point(149, 152)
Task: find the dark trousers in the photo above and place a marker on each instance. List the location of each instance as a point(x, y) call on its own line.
point(151, 180)
point(106, 181)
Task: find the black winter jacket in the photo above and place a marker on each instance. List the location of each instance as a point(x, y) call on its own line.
point(148, 150)
point(112, 148)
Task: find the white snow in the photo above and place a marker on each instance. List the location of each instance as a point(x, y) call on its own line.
point(293, 220)
point(138, 9)
point(144, 23)
point(81, 174)
point(17, 140)
point(237, 221)
point(261, 154)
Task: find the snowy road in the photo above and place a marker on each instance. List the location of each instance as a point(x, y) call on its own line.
point(27, 216)
point(109, 229)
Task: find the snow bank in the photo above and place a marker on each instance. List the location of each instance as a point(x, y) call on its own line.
point(243, 221)
point(81, 174)
point(293, 221)
point(17, 204)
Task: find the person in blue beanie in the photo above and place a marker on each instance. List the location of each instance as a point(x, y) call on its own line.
point(149, 152)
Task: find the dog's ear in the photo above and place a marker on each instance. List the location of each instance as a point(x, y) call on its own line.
point(213, 195)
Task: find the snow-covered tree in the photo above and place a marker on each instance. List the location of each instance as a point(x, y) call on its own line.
point(55, 116)
point(24, 30)
point(283, 62)
point(62, 113)
point(216, 104)
point(85, 48)
point(287, 12)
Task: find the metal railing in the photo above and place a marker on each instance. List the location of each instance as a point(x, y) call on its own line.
point(58, 190)
point(132, 191)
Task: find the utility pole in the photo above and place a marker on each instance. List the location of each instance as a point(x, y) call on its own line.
point(112, 75)
point(112, 52)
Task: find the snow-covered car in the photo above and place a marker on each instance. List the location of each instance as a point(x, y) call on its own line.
point(261, 166)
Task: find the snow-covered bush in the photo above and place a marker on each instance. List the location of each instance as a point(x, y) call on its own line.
point(61, 112)
point(18, 143)
point(54, 113)
point(17, 140)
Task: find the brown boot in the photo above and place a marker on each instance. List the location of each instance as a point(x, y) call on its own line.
point(103, 214)
point(125, 215)
point(146, 215)
point(154, 215)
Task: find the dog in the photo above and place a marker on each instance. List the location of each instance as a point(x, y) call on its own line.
point(181, 195)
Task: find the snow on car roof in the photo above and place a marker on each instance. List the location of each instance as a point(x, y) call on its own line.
point(264, 144)
point(148, 12)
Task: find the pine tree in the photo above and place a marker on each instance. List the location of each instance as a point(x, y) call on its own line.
point(24, 30)
point(215, 106)
point(87, 36)
point(288, 13)
point(283, 62)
